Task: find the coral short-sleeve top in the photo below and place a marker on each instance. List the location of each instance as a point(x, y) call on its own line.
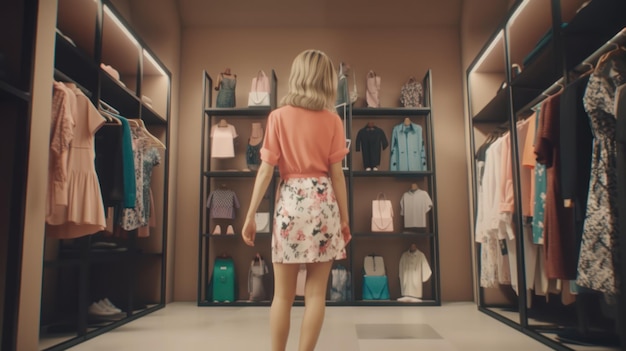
point(303, 143)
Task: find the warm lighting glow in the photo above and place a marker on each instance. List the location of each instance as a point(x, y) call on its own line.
point(487, 52)
point(153, 61)
point(116, 20)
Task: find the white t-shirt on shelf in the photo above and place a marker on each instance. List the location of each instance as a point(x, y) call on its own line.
point(222, 143)
point(414, 270)
point(414, 206)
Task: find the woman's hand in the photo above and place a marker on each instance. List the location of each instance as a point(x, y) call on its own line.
point(345, 232)
point(248, 233)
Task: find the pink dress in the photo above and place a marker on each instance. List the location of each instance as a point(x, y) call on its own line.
point(83, 212)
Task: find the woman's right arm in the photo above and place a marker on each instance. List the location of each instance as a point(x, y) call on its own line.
point(263, 178)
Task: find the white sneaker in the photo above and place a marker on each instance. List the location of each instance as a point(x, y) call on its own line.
point(375, 168)
point(109, 305)
point(96, 309)
point(368, 169)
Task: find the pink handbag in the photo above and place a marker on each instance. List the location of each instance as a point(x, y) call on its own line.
point(372, 89)
point(382, 214)
point(260, 90)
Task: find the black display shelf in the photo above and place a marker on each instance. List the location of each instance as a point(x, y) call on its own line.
point(150, 117)
point(8, 91)
point(599, 17)
point(394, 235)
point(394, 303)
point(495, 111)
point(542, 72)
point(390, 111)
point(230, 174)
point(242, 303)
point(118, 96)
point(398, 174)
point(74, 64)
point(238, 111)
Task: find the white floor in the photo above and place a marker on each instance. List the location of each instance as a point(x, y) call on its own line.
point(186, 327)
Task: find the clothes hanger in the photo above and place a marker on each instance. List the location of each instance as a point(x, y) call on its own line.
point(223, 123)
point(414, 187)
point(413, 248)
point(407, 121)
point(142, 127)
point(104, 106)
point(370, 125)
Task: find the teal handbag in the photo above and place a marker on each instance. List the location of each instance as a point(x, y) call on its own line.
point(375, 287)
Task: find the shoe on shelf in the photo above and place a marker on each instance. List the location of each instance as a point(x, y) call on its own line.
point(217, 230)
point(375, 168)
point(230, 230)
point(368, 169)
point(108, 304)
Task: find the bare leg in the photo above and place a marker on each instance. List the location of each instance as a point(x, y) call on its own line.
point(315, 302)
point(285, 276)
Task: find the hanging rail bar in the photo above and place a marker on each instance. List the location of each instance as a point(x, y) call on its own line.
point(60, 76)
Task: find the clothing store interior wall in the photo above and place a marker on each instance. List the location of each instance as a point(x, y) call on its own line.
point(190, 36)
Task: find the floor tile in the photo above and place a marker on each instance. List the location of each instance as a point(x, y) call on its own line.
point(396, 331)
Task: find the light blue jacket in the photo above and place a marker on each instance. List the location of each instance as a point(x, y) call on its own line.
point(407, 148)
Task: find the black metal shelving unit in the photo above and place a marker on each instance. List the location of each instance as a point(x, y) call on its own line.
point(78, 63)
point(427, 237)
point(209, 176)
point(586, 36)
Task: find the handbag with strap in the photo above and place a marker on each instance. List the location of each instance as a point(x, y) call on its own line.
point(341, 88)
point(372, 89)
point(382, 214)
point(260, 90)
point(262, 221)
point(412, 94)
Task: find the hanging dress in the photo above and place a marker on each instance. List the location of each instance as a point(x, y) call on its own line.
point(599, 249)
point(84, 212)
point(226, 93)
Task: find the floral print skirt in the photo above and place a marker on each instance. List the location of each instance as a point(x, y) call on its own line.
point(307, 226)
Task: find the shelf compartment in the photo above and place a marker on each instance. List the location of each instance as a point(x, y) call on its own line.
point(120, 48)
point(118, 96)
point(240, 111)
point(75, 64)
point(542, 72)
point(151, 117)
point(77, 20)
point(385, 111)
point(155, 84)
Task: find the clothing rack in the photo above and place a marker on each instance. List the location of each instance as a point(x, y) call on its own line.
point(60, 76)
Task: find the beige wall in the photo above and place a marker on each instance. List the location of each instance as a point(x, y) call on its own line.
point(394, 54)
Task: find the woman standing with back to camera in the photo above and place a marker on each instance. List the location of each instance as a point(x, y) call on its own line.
point(306, 139)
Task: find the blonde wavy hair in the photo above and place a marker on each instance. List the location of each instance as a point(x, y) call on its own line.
point(312, 82)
